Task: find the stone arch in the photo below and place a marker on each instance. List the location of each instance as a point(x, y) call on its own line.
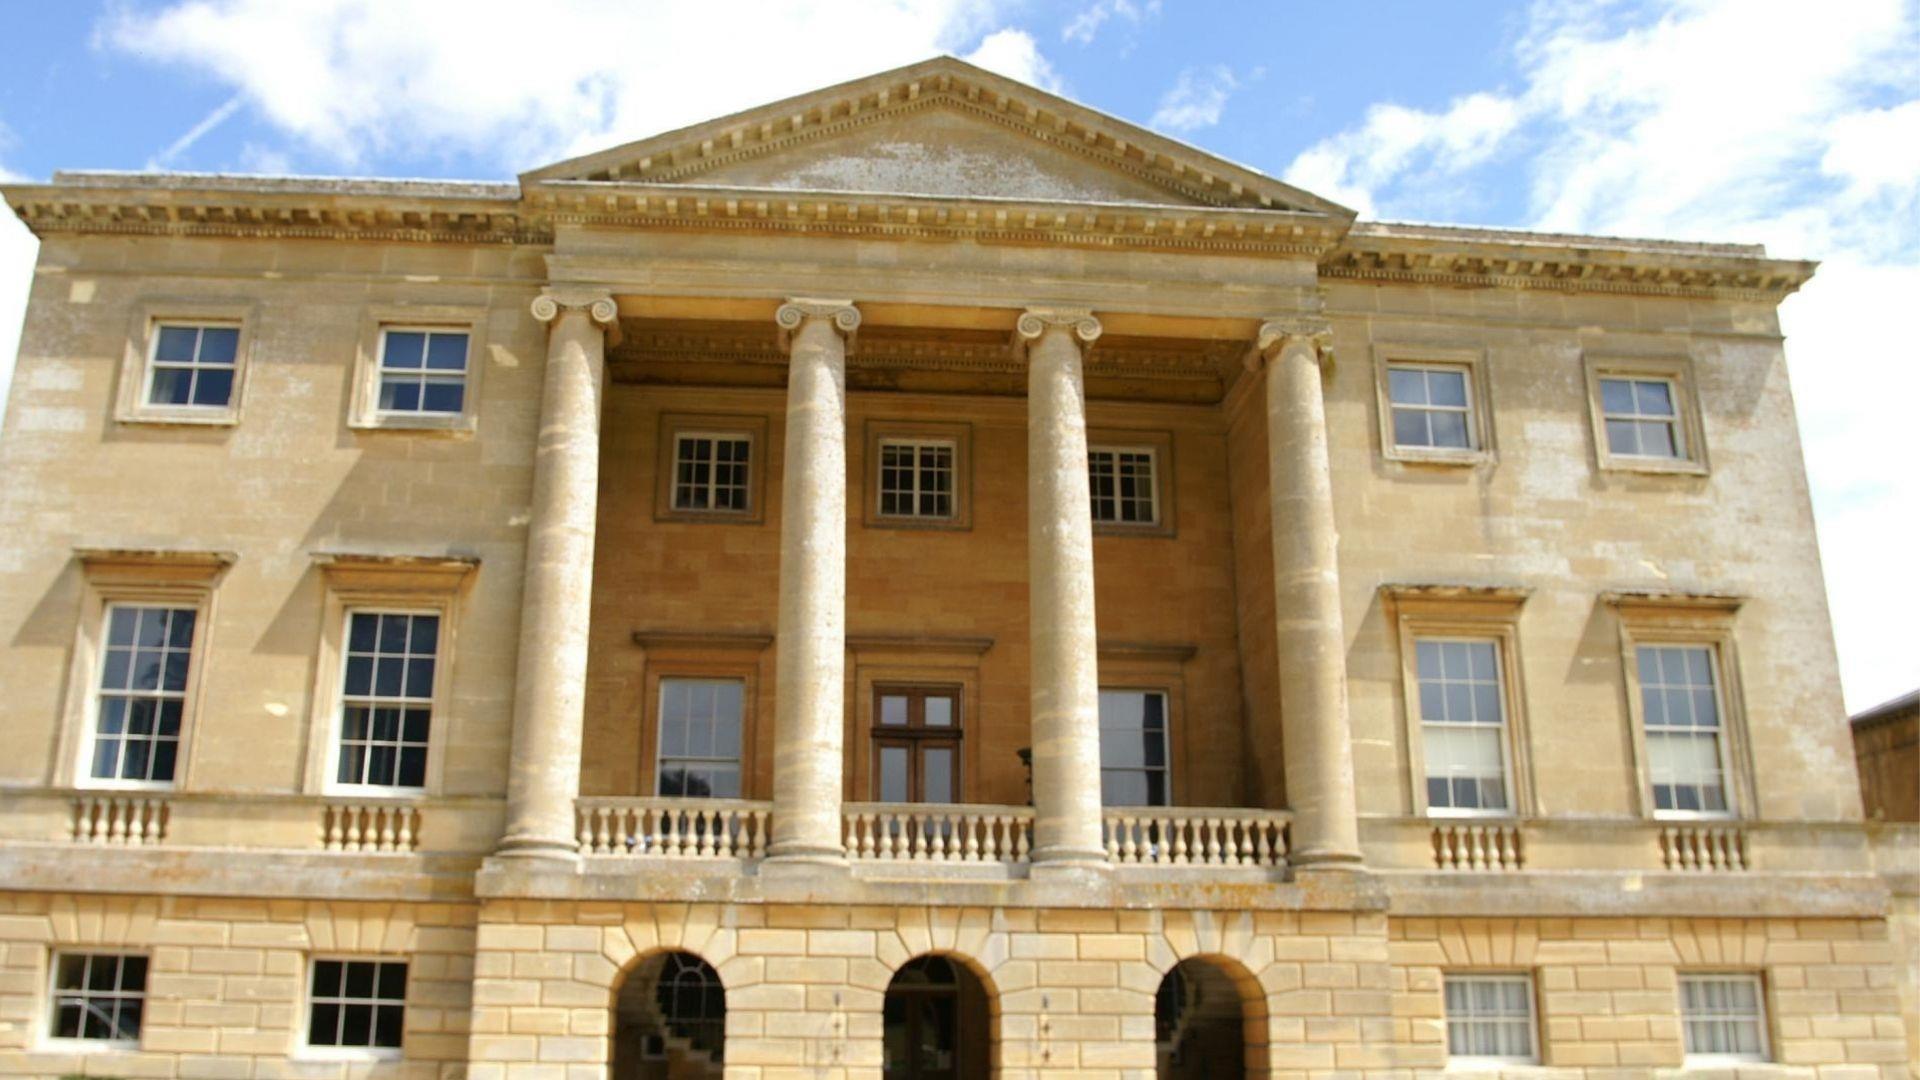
point(668, 1008)
point(975, 1003)
point(1210, 1019)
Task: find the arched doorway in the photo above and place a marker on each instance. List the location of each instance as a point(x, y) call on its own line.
point(670, 1020)
point(938, 1023)
point(1202, 1017)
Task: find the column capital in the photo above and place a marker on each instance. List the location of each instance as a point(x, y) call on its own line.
point(596, 302)
point(1036, 321)
point(1277, 333)
point(798, 309)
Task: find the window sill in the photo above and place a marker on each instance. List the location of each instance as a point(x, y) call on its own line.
point(371, 1055)
point(1159, 530)
point(53, 1045)
point(147, 787)
point(181, 417)
point(1654, 466)
point(1451, 814)
point(375, 793)
point(912, 524)
point(462, 424)
point(711, 517)
point(1405, 455)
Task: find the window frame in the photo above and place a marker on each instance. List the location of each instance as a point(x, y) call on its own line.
point(176, 579)
point(1689, 428)
point(915, 737)
point(1470, 613)
point(1507, 749)
point(337, 745)
point(878, 432)
point(143, 340)
point(429, 331)
point(1480, 426)
point(1166, 741)
point(1494, 1061)
point(656, 706)
point(917, 470)
point(1159, 444)
point(307, 1050)
point(1697, 621)
point(78, 1044)
point(1763, 1022)
point(931, 662)
point(364, 412)
point(427, 585)
point(672, 427)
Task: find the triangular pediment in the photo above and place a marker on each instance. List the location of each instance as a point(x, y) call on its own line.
point(944, 129)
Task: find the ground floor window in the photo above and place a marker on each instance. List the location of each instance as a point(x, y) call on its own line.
point(357, 1004)
point(98, 998)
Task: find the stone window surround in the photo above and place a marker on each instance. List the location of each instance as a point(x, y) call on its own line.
point(367, 582)
point(1686, 619)
point(1480, 426)
point(363, 413)
point(303, 1050)
point(1158, 669)
point(960, 434)
point(130, 403)
point(1480, 613)
point(701, 655)
point(186, 579)
point(1676, 370)
point(1160, 443)
point(906, 661)
point(1536, 1035)
point(752, 426)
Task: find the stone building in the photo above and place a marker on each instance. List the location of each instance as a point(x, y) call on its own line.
point(921, 579)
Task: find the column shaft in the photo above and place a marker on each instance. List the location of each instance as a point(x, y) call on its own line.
point(1065, 660)
point(543, 777)
point(810, 650)
point(1306, 583)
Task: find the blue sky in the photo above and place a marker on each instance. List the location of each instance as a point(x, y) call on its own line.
point(1780, 122)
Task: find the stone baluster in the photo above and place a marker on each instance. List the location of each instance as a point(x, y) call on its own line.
point(1065, 680)
point(1306, 584)
point(543, 777)
point(810, 650)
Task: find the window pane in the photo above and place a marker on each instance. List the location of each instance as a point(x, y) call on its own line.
point(443, 397)
point(939, 711)
point(893, 774)
point(1410, 428)
point(176, 344)
point(212, 388)
point(405, 349)
point(1449, 429)
point(937, 771)
point(218, 344)
point(171, 386)
point(1616, 396)
point(1447, 388)
point(447, 352)
point(893, 709)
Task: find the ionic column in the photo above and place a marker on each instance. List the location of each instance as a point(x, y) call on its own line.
point(810, 651)
point(1306, 587)
point(1065, 710)
point(549, 697)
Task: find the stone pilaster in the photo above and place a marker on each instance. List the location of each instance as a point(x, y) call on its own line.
point(543, 777)
point(1306, 584)
point(810, 651)
point(1065, 711)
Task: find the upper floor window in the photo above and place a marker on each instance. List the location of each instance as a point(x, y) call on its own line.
point(1642, 418)
point(699, 726)
point(1124, 485)
point(1431, 407)
point(1434, 405)
point(1133, 748)
point(142, 695)
point(1646, 414)
point(1462, 726)
point(98, 997)
point(386, 698)
point(917, 478)
point(1490, 1019)
point(357, 1005)
point(1723, 1017)
point(710, 471)
point(423, 371)
point(1680, 705)
point(193, 366)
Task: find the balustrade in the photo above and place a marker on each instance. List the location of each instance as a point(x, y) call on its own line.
point(370, 826)
point(1469, 845)
point(121, 820)
point(940, 833)
point(1196, 836)
point(673, 828)
point(1703, 847)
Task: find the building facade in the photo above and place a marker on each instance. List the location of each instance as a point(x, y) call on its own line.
point(922, 579)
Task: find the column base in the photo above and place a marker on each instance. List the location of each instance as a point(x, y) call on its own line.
point(1069, 862)
point(543, 848)
point(803, 860)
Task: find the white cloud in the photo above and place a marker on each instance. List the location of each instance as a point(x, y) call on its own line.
point(1731, 120)
point(1015, 54)
point(1393, 140)
point(1086, 23)
point(1196, 99)
point(351, 79)
point(220, 115)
